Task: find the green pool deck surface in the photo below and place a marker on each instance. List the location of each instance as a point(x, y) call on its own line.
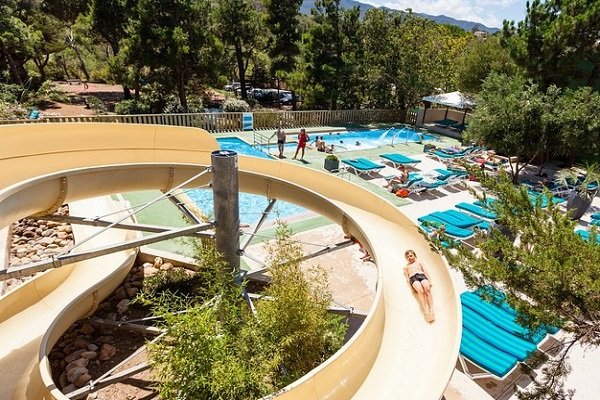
point(165, 213)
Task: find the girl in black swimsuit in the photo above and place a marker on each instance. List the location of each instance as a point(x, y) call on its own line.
point(420, 282)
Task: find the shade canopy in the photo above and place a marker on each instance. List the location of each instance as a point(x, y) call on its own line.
point(452, 99)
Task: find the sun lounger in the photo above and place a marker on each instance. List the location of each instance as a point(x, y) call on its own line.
point(479, 211)
point(451, 230)
point(493, 339)
point(445, 174)
point(363, 166)
point(462, 220)
point(445, 123)
point(398, 159)
point(496, 336)
point(489, 358)
point(595, 216)
point(535, 196)
point(586, 235)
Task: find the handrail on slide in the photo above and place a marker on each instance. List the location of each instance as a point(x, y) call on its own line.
point(394, 355)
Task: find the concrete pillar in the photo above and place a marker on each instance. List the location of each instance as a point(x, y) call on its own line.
point(226, 201)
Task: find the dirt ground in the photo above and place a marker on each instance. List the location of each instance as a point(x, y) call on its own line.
point(109, 94)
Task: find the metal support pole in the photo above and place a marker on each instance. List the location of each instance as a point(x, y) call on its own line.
point(226, 205)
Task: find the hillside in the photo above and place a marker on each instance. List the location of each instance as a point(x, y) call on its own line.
point(440, 19)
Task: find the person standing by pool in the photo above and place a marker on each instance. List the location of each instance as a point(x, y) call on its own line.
point(420, 282)
point(280, 133)
point(302, 140)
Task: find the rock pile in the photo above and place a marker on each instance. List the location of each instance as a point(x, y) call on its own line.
point(86, 345)
point(34, 240)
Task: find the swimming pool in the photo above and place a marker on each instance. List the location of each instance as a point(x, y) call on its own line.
point(369, 139)
point(251, 206)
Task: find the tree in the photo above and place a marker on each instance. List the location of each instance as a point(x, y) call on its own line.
point(576, 117)
point(238, 26)
point(548, 272)
point(16, 41)
point(283, 48)
point(175, 39)
point(479, 58)
point(509, 119)
point(109, 19)
point(406, 57)
point(323, 55)
point(557, 43)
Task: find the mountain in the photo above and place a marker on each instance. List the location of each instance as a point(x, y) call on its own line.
point(440, 19)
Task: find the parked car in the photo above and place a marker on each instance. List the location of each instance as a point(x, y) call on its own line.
point(232, 87)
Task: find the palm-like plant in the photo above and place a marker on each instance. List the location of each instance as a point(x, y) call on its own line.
point(583, 182)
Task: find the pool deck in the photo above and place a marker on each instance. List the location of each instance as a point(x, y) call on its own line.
point(352, 281)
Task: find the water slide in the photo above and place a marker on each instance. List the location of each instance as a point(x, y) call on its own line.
point(395, 354)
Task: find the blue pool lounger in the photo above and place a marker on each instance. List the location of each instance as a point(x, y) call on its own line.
point(398, 159)
point(451, 230)
point(586, 235)
point(363, 165)
point(492, 339)
point(480, 211)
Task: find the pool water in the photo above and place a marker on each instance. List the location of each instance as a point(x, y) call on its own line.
point(369, 139)
point(251, 205)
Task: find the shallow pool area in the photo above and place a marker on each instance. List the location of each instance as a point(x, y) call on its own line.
point(251, 206)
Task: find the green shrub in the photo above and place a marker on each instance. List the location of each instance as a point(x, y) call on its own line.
point(128, 107)
point(95, 104)
point(174, 107)
point(9, 93)
point(234, 105)
point(220, 350)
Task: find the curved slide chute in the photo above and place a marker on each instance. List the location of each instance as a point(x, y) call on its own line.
point(395, 354)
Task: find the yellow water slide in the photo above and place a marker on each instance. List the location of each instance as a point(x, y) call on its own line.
point(395, 354)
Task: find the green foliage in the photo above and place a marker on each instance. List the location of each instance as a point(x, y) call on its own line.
point(557, 43)
point(217, 349)
point(238, 26)
point(509, 119)
point(548, 272)
point(234, 105)
point(479, 58)
point(515, 117)
point(96, 104)
point(283, 48)
point(406, 57)
point(9, 93)
point(127, 107)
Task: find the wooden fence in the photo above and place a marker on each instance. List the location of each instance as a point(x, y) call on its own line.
point(232, 121)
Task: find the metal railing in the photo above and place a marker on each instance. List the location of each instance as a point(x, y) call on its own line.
point(232, 121)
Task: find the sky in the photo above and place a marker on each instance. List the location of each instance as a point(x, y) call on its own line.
point(491, 13)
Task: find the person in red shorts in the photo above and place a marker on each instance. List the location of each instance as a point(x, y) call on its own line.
point(302, 140)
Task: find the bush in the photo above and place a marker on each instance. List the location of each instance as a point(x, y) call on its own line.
point(95, 104)
point(9, 93)
point(128, 107)
point(234, 105)
point(220, 350)
point(174, 107)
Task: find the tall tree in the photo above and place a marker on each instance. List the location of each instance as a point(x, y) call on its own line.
point(323, 53)
point(479, 58)
point(109, 19)
point(175, 35)
point(510, 118)
point(238, 26)
point(557, 43)
point(283, 48)
point(16, 40)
